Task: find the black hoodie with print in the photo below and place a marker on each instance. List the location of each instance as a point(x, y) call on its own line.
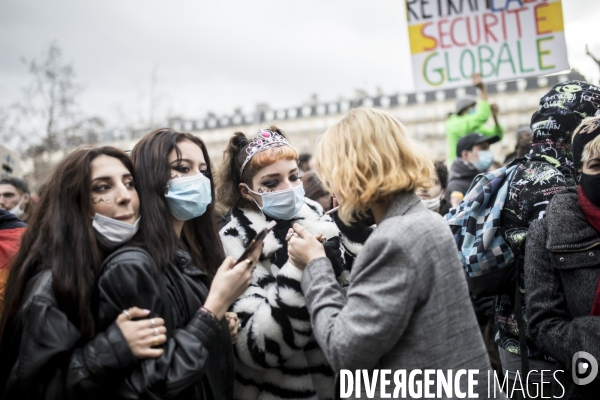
point(545, 171)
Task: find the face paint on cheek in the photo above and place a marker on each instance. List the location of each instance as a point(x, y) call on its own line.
point(174, 176)
point(98, 200)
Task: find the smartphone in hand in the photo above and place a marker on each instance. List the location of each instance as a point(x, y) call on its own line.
point(260, 237)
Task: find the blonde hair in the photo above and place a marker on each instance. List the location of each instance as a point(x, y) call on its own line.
point(368, 157)
point(591, 149)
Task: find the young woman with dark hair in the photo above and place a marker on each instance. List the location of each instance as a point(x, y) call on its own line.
point(169, 268)
point(276, 356)
point(50, 347)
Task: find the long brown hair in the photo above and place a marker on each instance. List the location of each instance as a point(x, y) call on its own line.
point(157, 235)
point(61, 238)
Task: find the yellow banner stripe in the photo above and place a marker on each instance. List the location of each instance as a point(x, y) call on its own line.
point(418, 42)
point(550, 18)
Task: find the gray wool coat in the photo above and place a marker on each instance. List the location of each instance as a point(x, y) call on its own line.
point(407, 306)
point(562, 269)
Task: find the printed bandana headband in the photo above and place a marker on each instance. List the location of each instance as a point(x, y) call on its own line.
point(265, 139)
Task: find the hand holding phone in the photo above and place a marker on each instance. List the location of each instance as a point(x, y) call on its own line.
point(257, 241)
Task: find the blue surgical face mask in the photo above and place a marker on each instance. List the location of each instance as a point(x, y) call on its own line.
point(189, 196)
point(283, 204)
point(485, 160)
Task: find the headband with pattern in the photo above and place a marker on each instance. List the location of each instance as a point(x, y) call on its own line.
point(265, 139)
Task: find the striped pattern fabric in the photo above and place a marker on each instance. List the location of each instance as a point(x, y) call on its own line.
point(276, 354)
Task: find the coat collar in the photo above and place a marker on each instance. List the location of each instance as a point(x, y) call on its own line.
point(568, 229)
point(400, 204)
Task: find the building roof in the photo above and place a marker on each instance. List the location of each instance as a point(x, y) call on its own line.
point(262, 114)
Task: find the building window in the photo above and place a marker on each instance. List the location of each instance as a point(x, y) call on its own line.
point(440, 128)
point(384, 101)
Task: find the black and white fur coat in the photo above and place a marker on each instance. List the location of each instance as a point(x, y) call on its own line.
point(276, 354)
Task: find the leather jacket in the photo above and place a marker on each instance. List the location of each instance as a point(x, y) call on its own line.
point(197, 362)
point(44, 359)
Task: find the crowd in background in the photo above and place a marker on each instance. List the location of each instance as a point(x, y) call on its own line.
point(124, 278)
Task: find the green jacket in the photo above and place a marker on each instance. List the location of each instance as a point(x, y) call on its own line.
point(459, 126)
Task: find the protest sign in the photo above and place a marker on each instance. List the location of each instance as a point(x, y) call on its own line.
point(501, 39)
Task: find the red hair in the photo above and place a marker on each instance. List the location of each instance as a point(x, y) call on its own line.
point(271, 156)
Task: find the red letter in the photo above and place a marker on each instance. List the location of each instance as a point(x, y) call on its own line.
point(538, 19)
point(452, 33)
point(518, 18)
point(503, 25)
point(486, 26)
point(473, 42)
point(428, 37)
point(441, 34)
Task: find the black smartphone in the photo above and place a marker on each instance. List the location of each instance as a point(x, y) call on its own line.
point(258, 239)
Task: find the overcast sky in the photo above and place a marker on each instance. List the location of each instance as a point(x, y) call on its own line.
point(220, 55)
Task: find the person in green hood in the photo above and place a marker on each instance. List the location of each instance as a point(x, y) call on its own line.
point(471, 116)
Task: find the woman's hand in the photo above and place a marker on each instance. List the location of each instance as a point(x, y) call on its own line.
point(318, 236)
point(143, 335)
point(233, 322)
point(303, 248)
point(230, 282)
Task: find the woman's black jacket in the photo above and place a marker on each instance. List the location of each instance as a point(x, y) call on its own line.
point(198, 357)
point(45, 357)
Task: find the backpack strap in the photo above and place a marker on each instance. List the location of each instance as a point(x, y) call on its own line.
point(161, 282)
point(521, 324)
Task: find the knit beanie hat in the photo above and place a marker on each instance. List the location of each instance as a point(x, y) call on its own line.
point(561, 110)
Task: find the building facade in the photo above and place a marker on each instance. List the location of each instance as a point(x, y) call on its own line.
point(10, 161)
point(423, 114)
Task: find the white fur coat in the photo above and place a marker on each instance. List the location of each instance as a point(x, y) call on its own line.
point(276, 354)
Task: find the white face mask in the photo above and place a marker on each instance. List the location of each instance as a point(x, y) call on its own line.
point(111, 232)
point(433, 204)
point(17, 210)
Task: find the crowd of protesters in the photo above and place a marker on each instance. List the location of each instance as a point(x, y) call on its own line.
point(124, 279)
